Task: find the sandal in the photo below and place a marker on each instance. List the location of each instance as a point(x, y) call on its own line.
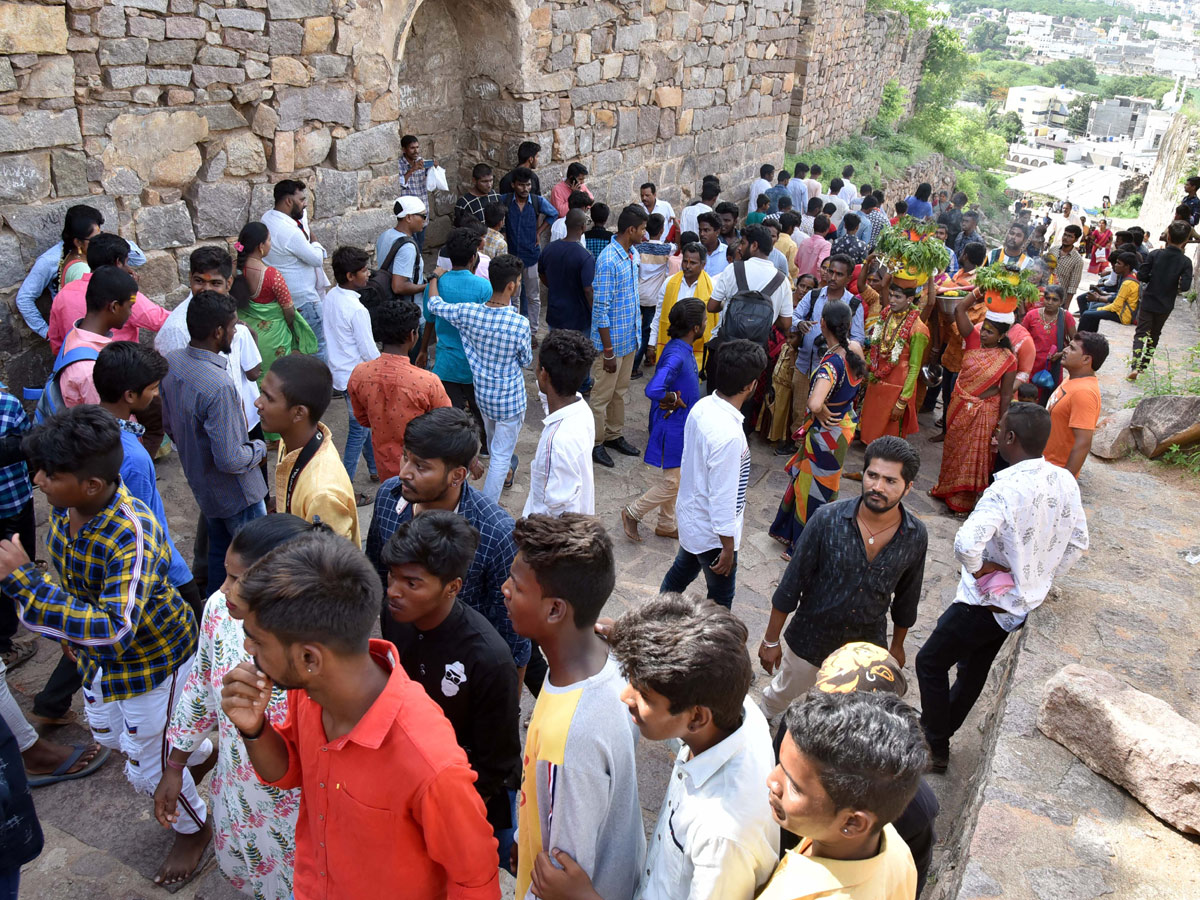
point(362, 498)
point(64, 773)
point(510, 477)
point(19, 653)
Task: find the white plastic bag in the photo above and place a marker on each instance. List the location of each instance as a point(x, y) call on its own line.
point(435, 179)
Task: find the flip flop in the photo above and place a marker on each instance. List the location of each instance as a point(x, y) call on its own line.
point(55, 721)
point(20, 653)
point(63, 773)
point(510, 477)
point(205, 858)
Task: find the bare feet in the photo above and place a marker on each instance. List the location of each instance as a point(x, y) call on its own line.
point(44, 757)
point(937, 438)
point(630, 524)
point(186, 854)
point(672, 533)
point(1132, 376)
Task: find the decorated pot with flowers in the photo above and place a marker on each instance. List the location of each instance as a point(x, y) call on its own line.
point(912, 253)
point(1004, 287)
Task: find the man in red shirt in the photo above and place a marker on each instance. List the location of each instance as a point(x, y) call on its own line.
point(386, 795)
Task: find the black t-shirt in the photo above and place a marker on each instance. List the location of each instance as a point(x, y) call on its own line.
point(506, 183)
point(468, 670)
point(569, 269)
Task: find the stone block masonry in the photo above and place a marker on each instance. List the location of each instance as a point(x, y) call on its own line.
point(176, 116)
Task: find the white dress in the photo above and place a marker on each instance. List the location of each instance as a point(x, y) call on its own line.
point(254, 825)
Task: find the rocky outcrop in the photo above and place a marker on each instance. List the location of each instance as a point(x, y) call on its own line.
point(1112, 438)
point(1130, 737)
point(1158, 423)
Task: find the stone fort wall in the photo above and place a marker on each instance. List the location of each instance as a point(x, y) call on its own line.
point(175, 117)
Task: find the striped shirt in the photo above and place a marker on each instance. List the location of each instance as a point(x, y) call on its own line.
point(116, 606)
point(615, 304)
point(498, 344)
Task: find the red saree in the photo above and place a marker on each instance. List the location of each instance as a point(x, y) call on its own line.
point(970, 421)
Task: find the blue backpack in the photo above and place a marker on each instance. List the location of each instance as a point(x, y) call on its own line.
point(49, 398)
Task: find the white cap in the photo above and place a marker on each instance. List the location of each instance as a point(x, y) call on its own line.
point(1004, 318)
point(408, 206)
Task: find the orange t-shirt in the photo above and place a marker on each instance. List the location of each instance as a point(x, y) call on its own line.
point(1074, 404)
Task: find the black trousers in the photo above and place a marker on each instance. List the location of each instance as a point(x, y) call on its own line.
point(647, 318)
point(969, 638)
point(22, 524)
point(462, 396)
point(535, 670)
point(1146, 335)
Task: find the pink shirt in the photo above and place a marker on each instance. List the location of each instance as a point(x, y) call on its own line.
point(562, 193)
point(75, 382)
point(70, 305)
point(809, 254)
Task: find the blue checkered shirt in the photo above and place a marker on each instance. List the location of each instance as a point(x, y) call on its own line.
point(616, 305)
point(497, 343)
point(489, 568)
point(116, 606)
point(417, 186)
point(15, 489)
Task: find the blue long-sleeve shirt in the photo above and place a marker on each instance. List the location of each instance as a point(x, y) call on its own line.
point(40, 278)
point(676, 371)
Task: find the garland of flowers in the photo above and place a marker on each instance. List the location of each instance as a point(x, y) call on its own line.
point(886, 349)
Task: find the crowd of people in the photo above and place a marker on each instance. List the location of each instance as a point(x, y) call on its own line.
point(256, 661)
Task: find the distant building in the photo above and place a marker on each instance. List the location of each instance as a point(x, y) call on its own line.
point(1040, 107)
point(1119, 117)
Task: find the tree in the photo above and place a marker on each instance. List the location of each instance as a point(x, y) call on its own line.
point(1011, 126)
point(946, 65)
point(1070, 72)
point(988, 36)
point(982, 88)
point(1059, 156)
point(1077, 113)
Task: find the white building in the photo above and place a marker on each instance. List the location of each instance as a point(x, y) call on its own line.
point(1040, 107)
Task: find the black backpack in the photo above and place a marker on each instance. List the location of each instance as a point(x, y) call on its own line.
point(378, 288)
point(749, 315)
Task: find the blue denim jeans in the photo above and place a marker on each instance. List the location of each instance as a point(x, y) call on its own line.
point(311, 311)
point(688, 565)
point(220, 536)
point(502, 442)
point(358, 440)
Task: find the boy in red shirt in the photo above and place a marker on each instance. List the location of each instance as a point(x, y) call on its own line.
point(387, 804)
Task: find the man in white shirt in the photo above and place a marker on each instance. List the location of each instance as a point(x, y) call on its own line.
point(688, 674)
point(1027, 529)
point(848, 191)
point(689, 219)
point(754, 250)
point(761, 184)
point(813, 182)
point(350, 341)
point(298, 258)
point(576, 200)
point(834, 197)
point(561, 478)
point(651, 204)
point(714, 474)
point(1058, 223)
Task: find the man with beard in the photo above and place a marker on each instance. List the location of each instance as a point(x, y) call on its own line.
point(298, 258)
point(855, 559)
point(1012, 254)
point(439, 447)
point(358, 730)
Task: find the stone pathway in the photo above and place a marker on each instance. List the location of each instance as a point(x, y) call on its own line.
point(1119, 608)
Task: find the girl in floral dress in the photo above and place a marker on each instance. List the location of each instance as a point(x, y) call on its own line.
point(254, 825)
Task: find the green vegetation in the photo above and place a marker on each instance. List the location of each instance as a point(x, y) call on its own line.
point(920, 14)
point(994, 74)
point(988, 36)
point(1006, 282)
point(891, 108)
point(1078, 9)
point(1129, 208)
point(909, 242)
point(1077, 113)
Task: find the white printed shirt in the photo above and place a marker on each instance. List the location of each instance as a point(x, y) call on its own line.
point(715, 837)
point(714, 474)
point(1031, 521)
point(561, 478)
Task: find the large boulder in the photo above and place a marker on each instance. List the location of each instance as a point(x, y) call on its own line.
point(1113, 438)
point(1160, 422)
point(1128, 736)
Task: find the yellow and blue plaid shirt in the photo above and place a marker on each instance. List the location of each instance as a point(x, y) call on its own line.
point(115, 607)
